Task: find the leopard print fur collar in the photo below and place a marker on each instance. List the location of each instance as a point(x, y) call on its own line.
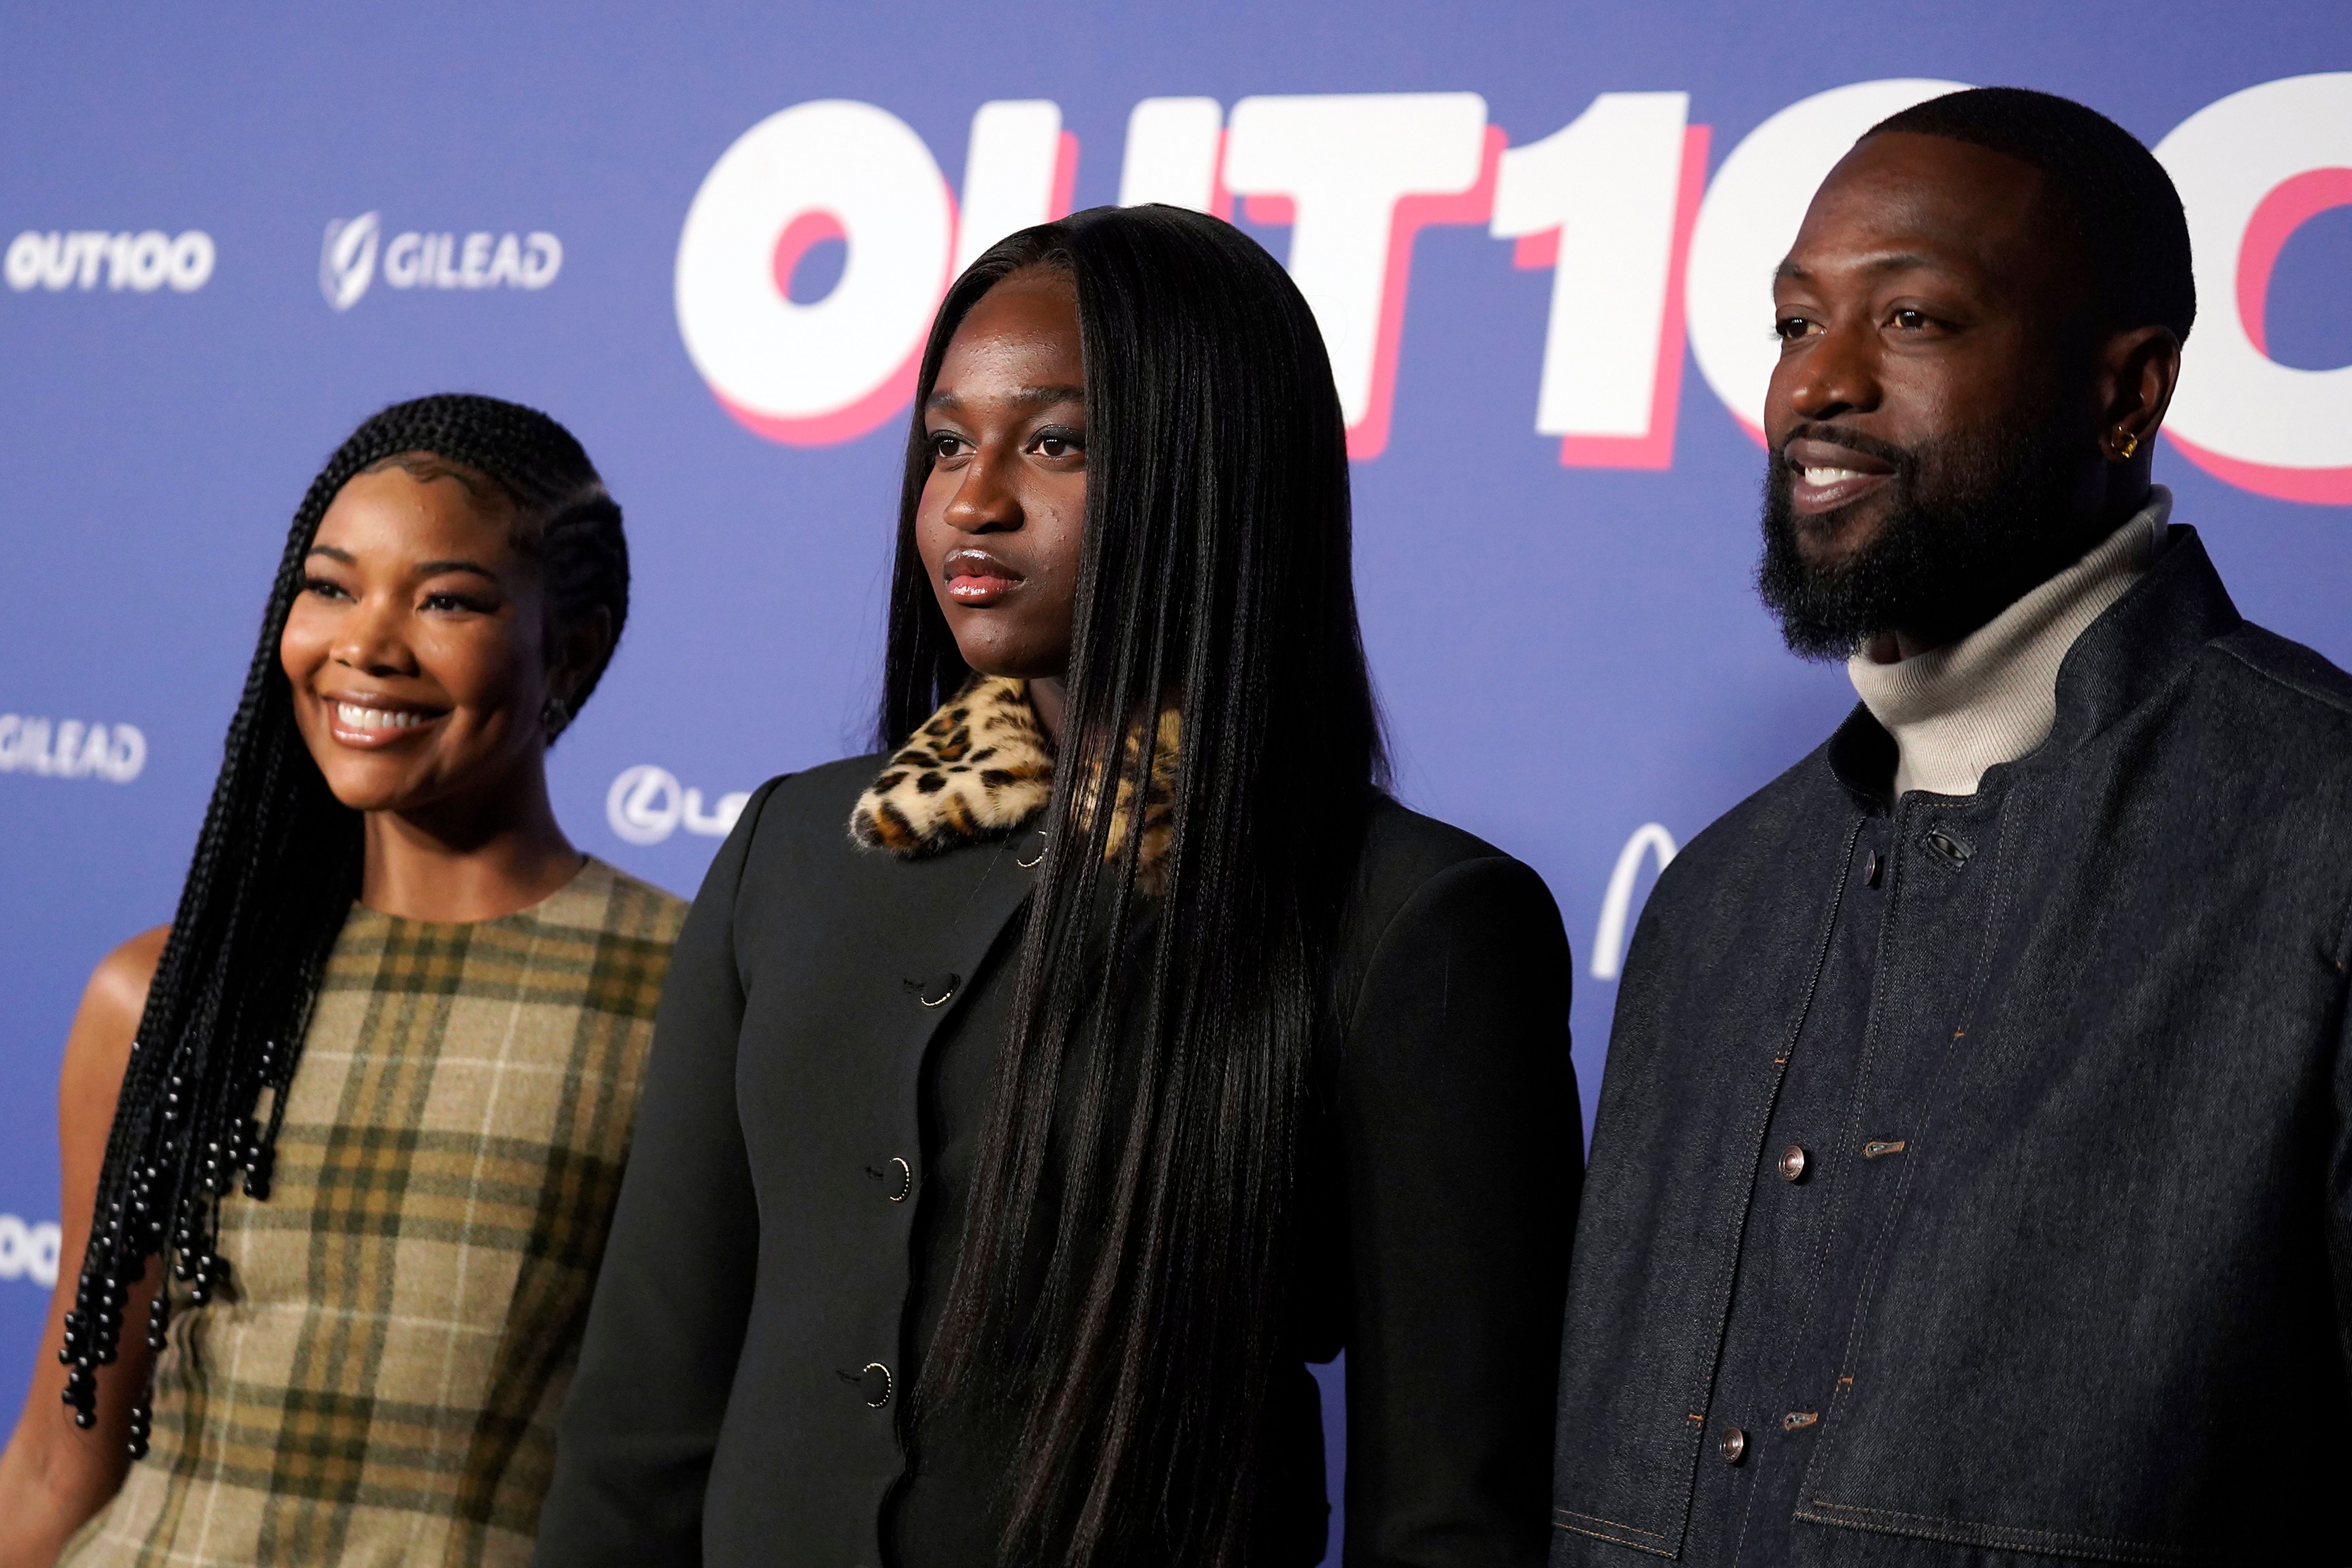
point(981, 768)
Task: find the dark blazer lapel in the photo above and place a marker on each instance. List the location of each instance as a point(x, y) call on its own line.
point(957, 906)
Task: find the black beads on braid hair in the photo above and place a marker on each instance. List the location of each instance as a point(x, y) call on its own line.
point(276, 870)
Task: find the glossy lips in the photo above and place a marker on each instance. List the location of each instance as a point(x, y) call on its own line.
point(1824, 476)
point(368, 720)
point(977, 578)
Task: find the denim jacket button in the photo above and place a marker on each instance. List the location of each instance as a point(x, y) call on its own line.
point(1734, 1445)
point(1792, 1163)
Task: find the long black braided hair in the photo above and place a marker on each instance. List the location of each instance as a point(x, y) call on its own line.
point(276, 870)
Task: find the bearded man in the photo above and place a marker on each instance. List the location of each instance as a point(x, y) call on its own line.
point(1972, 1180)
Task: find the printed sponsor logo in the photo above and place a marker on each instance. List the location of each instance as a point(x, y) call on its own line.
point(142, 262)
point(645, 805)
point(30, 1251)
point(355, 252)
point(2252, 170)
point(347, 260)
point(1617, 204)
point(70, 749)
point(1617, 903)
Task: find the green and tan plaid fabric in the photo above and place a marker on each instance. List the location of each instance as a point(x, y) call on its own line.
point(382, 1383)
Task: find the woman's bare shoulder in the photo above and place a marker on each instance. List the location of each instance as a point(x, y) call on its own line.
point(111, 1003)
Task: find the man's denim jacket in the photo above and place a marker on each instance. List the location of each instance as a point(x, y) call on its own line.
point(2063, 1271)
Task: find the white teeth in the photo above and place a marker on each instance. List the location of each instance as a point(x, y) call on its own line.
point(355, 717)
point(1830, 476)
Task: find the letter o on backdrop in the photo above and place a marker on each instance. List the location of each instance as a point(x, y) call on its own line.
point(2251, 169)
point(27, 259)
point(150, 259)
point(1753, 209)
point(815, 373)
point(191, 260)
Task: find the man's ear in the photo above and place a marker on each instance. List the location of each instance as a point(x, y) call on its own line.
point(2139, 368)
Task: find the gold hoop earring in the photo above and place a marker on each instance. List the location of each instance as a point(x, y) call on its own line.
point(2125, 445)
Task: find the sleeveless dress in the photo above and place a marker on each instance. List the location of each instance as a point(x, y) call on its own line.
point(380, 1381)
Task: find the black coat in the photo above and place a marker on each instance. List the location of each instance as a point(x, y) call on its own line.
point(790, 1213)
point(1972, 1182)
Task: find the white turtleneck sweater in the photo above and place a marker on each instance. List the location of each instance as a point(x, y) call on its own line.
point(1991, 697)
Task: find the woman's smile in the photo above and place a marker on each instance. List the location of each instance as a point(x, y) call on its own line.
point(369, 719)
point(417, 649)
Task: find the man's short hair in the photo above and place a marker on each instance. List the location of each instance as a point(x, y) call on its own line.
point(2109, 192)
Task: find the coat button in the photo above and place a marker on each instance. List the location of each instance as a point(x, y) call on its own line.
point(874, 1384)
point(897, 1176)
point(1734, 1445)
point(936, 991)
point(1792, 1163)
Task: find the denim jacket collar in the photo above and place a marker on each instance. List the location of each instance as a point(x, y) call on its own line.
point(2128, 655)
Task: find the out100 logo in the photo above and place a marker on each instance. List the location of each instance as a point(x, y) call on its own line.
point(1617, 204)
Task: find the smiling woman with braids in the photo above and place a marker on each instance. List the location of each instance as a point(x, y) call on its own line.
point(1031, 1102)
point(369, 1091)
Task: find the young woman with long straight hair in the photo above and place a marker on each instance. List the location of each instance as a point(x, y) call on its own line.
point(341, 1143)
point(1031, 1101)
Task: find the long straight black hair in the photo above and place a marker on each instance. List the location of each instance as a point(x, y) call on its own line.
point(1156, 1078)
point(275, 869)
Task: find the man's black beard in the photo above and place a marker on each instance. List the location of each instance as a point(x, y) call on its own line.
point(1975, 521)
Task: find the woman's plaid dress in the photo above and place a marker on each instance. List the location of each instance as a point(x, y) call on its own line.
point(380, 1384)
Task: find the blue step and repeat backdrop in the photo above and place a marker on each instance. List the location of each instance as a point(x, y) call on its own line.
point(1537, 236)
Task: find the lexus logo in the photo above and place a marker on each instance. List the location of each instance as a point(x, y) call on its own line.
point(645, 805)
point(347, 260)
